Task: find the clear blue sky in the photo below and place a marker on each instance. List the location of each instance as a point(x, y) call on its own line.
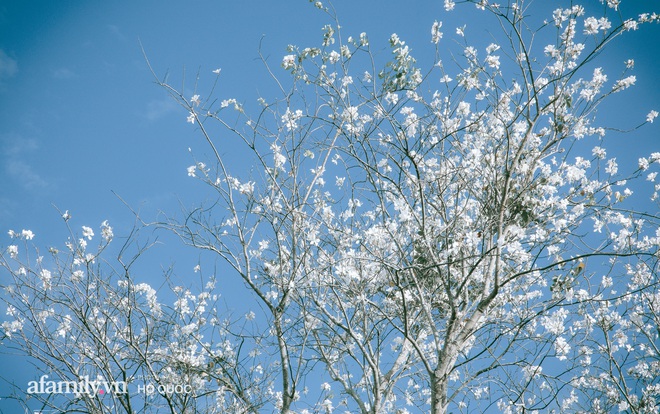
point(80, 115)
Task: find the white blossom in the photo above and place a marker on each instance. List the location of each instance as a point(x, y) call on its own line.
point(12, 250)
point(436, 34)
point(106, 231)
point(624, 83)
point(290, 119)
point(289, 62)
point(87, 232)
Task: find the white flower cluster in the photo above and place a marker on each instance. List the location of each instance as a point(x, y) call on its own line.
point(23, 234)
point(290, 119)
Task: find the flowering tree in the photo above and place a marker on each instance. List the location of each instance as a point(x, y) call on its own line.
point(104, 342)
point(451, 238)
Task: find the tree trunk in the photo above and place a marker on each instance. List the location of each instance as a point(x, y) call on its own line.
point(287, 393)
point(439, 379)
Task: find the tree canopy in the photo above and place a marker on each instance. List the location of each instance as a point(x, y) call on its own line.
point(448, 237)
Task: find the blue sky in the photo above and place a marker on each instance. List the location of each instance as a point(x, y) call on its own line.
point(81, 117)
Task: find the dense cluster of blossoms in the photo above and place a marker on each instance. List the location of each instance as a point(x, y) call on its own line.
point(464, 225)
